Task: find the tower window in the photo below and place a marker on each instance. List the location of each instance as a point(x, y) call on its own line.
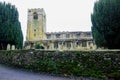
point(35, 15)
point(34, 30)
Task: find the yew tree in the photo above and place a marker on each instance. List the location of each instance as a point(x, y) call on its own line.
point(106, 23)
point(10, 27)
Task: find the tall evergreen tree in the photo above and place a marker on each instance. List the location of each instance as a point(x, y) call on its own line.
point(106, 23)
point(10, 28)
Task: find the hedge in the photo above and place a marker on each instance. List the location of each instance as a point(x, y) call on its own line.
point(99, 64)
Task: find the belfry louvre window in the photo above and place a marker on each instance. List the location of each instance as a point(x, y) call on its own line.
point(34, 30)
point(35, 15)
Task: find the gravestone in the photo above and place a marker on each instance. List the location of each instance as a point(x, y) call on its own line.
point(8, 47)
point(13, 47)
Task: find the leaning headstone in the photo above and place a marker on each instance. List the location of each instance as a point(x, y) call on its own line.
point(8, 47)
point(13, 47)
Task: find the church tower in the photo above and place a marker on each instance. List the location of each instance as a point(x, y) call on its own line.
point(36, 24)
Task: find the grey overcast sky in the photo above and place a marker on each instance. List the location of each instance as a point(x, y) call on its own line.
point(61, 15)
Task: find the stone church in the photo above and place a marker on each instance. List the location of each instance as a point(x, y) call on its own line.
point(37, 35)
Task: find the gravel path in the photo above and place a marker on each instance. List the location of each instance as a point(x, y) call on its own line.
point(7, 73)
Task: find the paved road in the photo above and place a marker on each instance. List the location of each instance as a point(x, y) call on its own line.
point(7, 73)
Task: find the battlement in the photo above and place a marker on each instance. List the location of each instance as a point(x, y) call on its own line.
point(37, 10)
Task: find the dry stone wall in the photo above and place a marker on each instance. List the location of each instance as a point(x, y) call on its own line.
point(100, 64)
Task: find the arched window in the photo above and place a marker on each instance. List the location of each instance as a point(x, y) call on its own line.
point(35, 15)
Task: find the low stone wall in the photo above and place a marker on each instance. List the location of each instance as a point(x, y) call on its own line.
point(97, 64)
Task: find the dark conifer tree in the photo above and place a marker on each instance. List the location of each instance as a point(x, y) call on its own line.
point(106, 23)
point(10, 28)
